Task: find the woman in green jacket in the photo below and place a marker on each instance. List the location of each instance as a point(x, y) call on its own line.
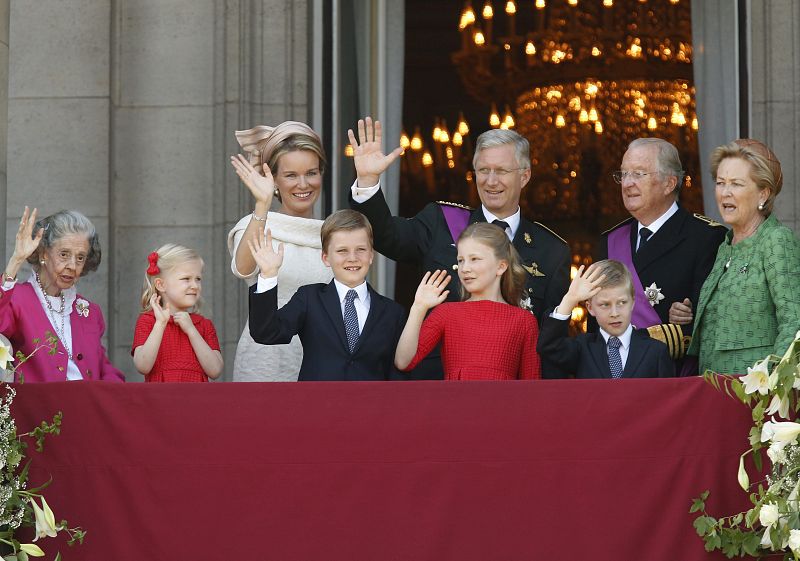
point(750, 303)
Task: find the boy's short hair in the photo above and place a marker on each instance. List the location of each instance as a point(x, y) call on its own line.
point(344, 220)
point(617, 274)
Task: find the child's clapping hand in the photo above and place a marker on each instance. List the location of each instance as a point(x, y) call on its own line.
point(161, 314)
point(585, 285)
point(184, 321)
point(268, 260)
point(431, 291)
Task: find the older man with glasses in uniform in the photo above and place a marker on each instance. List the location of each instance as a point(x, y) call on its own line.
point(502, 169)
point(668, 250)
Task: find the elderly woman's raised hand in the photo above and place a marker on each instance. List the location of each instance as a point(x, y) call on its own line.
point(25, 244)
point(261, 186)
point(368, 156)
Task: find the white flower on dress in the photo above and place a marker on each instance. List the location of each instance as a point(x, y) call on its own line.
point(82, 307)
point(654, 295)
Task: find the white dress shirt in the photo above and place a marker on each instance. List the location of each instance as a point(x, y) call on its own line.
point(656, 224)
point(625, 339)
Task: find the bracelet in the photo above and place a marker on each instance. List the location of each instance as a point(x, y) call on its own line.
point(258, 219)
point(8, 278)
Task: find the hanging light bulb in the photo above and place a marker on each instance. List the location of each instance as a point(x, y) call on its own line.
point(479, 38)
point(416, 141)
point(437, 131)
point(444, 136)
point(694, 123)
point(593, 114)
point(651, 123)
point(608, 3)
point(348, 150)
point(560, 122)
point(494, 118)
point(504, 126)
point(572, 2)
point(508, 118)
point(404, 141)
point(463, 127)
point(467, 17)
point(598, 127)
point(488, 12)
point(451, 164)
point(458, 140)
point(540, 4)
point(449, 152)
point(583, 117)
point(511, 8)
point(530, 48)
point(427, 159)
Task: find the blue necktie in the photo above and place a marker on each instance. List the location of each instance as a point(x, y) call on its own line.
point(351, 319)
point(614, 358)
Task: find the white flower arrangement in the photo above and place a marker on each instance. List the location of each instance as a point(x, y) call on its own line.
point(773, 523)
point(18, 504)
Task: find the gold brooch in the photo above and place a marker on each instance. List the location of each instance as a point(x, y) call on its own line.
point(527, 238)
point(533, 269)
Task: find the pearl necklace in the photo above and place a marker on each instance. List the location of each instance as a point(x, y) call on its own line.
point(60, 333)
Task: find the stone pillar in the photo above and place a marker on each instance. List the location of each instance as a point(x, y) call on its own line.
point(4, 9)
point(775, 91)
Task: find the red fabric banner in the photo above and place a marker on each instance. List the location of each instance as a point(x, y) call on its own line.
point(483, 471)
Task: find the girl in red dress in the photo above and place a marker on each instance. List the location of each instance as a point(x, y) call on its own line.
point(487, 336)
point(171, 342)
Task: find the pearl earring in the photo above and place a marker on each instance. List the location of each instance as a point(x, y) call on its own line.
point(277, 193)
point(760, 206)
point(41, 262)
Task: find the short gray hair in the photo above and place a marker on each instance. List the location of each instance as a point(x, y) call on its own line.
point(64, 223)
point(501, 137)
point(668, 159)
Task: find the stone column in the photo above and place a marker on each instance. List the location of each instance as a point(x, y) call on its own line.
point(4, 9)
point(775, 91)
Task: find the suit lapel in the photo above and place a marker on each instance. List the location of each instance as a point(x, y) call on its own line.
point(332, 306)
point(635, 355)
point(667, 237)
point(477, 216)
point(377, 305)
point(597, 348)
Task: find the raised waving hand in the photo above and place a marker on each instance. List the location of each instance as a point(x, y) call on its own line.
point(368, 156)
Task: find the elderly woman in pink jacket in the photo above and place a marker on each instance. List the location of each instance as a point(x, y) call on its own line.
point(59, 248)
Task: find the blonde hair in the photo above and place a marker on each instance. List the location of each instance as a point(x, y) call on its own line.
point(765, 168)
point(343, 220)
point(512, 282)
point(169, 256)
point(616, 273)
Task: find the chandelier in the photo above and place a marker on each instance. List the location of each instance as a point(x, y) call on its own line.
point(581, 79)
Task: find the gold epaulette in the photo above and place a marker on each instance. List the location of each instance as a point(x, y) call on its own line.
point(552, 232)
point(708, 220)
point(458, 205)
point(672, 336)
point(616, 226)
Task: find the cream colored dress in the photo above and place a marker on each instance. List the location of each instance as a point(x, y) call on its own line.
point(301, 265)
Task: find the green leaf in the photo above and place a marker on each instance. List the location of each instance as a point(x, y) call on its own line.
point(751, 544)
point(32, 549)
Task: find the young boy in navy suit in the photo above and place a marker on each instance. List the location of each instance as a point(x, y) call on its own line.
point(618, 350)
point(348, 331)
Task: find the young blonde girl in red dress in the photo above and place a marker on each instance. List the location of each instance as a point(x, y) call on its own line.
point(171, 342)
point(487, 336)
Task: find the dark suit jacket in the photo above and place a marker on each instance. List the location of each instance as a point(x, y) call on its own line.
point(315, 314)
point(678, 258)
point(586, 356)
point(426, 240)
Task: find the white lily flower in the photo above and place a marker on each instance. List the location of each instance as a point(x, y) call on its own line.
point(785, 431)
point(6, 352)
point(794, 541)
point(766, 542)
point(45, 520)
point(32, 549)
point(757, 378)
point(768, 515)
point(780, 406)
point(776, 453)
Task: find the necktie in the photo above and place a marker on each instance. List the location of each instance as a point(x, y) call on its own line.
point(351, 319)
point(644, 235)
point(614, 358)
point(502, 224)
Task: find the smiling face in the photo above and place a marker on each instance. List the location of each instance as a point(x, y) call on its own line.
point(499, 181)
point(349, 254)
point(651, 195)
point(63, 263)
point(180, 287)
point(299, 181)
point(612, 308)
point(737, 195)
point(479, 270)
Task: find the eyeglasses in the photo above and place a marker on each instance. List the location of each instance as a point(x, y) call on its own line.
point(620, 176)
point(499, 172)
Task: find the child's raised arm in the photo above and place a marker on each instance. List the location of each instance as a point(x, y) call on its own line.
point(431, 292)
point(268, 260)
point(585, 285)
point(144, 356)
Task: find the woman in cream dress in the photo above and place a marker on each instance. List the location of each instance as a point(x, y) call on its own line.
point(287, 162)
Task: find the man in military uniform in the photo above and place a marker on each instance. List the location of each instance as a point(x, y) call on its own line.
point(671, 251)
point(502, 169)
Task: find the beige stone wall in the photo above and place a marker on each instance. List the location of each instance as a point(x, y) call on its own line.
point(125, 110)
point(775, 93)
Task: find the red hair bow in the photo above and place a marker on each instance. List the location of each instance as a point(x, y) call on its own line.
point(153, 268)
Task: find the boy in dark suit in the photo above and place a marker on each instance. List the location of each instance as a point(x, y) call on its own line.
point(348, 331)
point(618, 350)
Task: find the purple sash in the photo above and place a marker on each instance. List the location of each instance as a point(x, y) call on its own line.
point(456, 218)
point(619, 248)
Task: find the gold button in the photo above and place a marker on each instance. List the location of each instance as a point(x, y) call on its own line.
point(61, 369)
point(530, 290)
point(455, 267)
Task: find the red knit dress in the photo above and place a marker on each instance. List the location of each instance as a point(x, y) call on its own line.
point(176, 360)
point(481, 340)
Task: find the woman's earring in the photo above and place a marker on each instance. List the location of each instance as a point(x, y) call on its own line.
point(760, 206)
point(41, 262)
point(277, 193)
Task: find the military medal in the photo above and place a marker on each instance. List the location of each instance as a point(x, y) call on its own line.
point(527, 237)
point(534, 270)
point(653, 294)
